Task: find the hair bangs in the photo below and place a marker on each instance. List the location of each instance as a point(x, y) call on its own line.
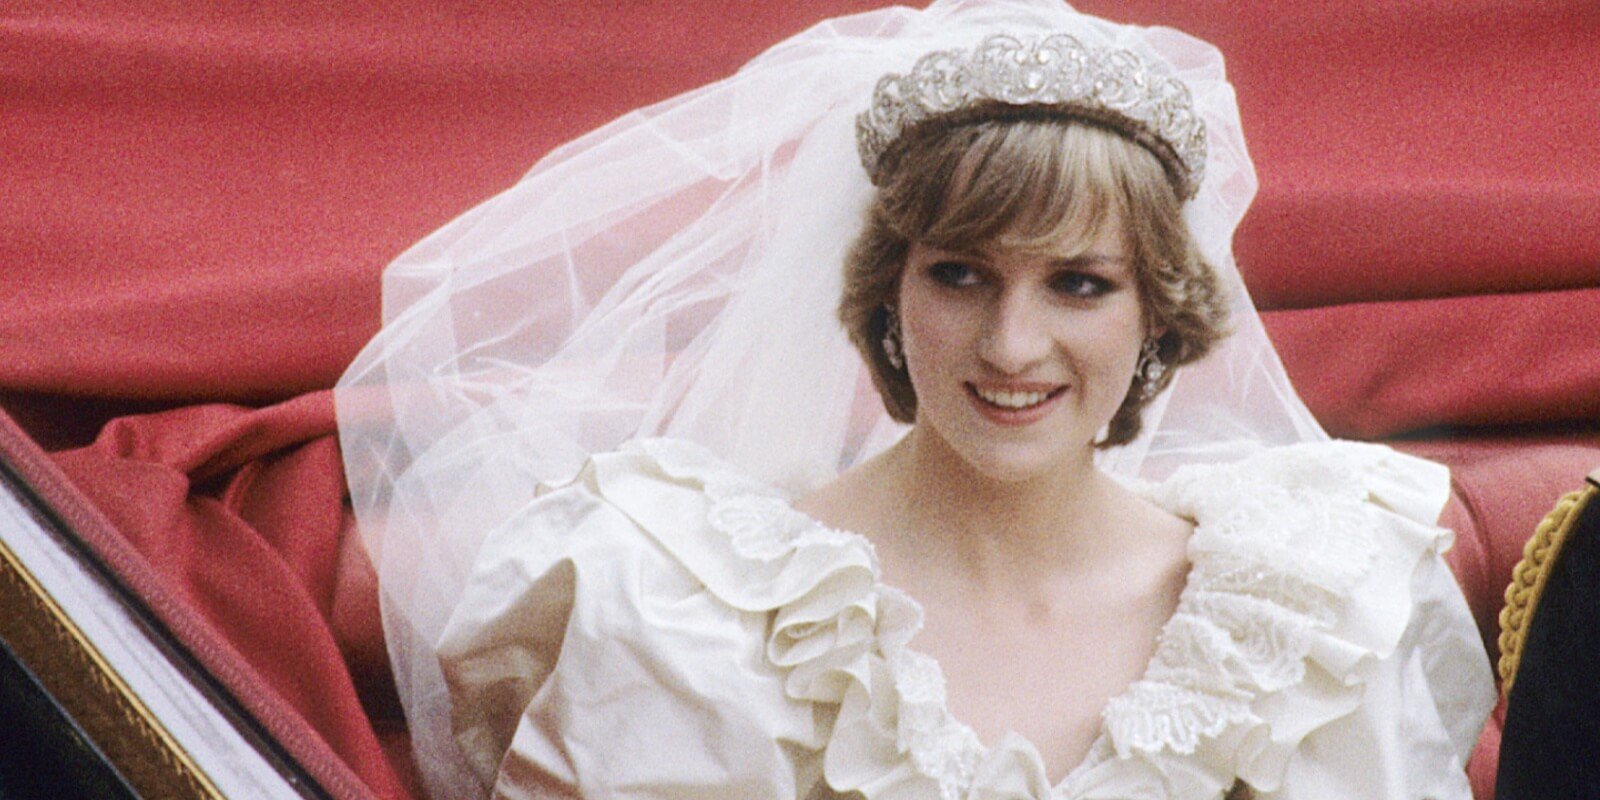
point(1029, 186)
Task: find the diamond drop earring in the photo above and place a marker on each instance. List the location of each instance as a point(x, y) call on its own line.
point(891, 337)
point(1150, 368)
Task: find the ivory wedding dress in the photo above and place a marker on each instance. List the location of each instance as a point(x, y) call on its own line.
point(665, 627)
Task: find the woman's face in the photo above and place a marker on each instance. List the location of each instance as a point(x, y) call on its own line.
point(1019, 359)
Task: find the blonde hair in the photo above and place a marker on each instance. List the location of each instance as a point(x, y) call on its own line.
point(1022, 178)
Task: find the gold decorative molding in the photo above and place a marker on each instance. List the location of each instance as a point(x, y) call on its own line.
point(74, 671)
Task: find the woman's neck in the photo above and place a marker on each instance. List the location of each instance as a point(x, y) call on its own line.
point(996, 532)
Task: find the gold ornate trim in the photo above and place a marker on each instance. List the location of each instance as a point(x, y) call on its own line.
point(75, 672)
point(1529, 577)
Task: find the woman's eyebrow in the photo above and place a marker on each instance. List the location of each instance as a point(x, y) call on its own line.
point(1091, 260)
point(951, 252)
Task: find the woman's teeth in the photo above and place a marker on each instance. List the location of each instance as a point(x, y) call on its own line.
point(1012, 399)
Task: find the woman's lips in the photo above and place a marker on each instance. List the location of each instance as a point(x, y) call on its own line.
point(1015, 404)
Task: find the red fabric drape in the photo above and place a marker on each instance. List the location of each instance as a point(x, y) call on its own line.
point(239, 514)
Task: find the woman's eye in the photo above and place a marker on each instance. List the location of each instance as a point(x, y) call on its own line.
point(1080, 284)
point(953, 273)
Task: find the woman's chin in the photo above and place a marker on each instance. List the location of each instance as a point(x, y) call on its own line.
point(975, 449)
point(1017, 464)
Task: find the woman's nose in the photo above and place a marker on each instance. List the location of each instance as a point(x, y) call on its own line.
point(1015, 337)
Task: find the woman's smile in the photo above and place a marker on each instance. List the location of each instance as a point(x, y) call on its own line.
point(1016, 404)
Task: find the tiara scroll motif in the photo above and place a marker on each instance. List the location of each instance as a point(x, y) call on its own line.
point(1114, 87)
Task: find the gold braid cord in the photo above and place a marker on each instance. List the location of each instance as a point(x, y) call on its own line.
point(79, 677)
point(1529, 577)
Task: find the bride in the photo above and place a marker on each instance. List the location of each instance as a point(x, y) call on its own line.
point(1042, 519)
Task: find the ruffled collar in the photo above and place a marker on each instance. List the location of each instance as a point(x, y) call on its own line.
point(1268, 643)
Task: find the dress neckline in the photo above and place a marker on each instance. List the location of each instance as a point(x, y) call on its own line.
point(1099, 748)
point(1269, 641)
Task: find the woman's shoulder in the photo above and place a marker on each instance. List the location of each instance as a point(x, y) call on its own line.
point(740, 537)
point(1303, 586)
point(657, 581)
point(1353, 471)
point(1334, 503)
point(1331, 533)
point(657, 519)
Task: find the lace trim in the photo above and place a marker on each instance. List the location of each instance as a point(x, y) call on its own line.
point(941, 747)
point(767, 529)
point(1271, 568)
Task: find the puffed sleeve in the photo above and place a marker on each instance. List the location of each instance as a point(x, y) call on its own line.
point(1424, 704)
point(586, 660)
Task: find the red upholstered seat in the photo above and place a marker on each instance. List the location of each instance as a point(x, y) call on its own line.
point(200, 200)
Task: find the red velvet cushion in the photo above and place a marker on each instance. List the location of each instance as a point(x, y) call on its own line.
point(1372, 370)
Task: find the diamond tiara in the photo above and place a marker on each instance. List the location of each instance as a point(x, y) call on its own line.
point(1057, 73)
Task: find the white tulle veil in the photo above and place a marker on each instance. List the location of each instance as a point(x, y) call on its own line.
point(675, 273)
